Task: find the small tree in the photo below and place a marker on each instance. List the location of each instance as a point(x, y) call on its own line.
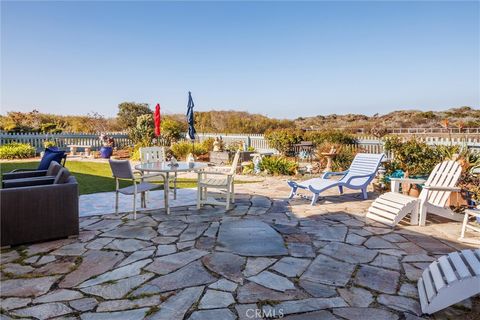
point(128, 112)
point(172, 130)
point(283, 139)
point(143, 133)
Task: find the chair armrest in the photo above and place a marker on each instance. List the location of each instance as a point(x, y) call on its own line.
point(137, 172)
point(219, 169)
point(473, 213)
point(408, 180)
point(28, 182)
point(219, 173)
point(433, 188)
point(328, 174)
point(395, 182)
point(358, 177)
point(23, 170)
point(23, 174)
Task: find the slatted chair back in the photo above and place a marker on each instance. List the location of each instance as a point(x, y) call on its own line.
point(450, 279)
point(152, 154)
point(121, 169)
point(445, 174)
point(363, 164)
point(233, 170)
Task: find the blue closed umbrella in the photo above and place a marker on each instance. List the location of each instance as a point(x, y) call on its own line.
point(190, 118)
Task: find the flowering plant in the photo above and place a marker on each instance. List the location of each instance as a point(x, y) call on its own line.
point(106, 140)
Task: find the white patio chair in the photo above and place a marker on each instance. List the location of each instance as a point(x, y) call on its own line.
point(217, 178)
point(391, 207)
point(156, 154)
point(121, 169)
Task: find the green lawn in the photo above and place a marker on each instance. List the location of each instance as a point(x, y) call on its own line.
point(92, 176)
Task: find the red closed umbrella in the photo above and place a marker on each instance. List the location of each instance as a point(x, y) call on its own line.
point(157, 120)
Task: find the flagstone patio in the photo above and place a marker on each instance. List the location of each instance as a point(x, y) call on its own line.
point(267, 257)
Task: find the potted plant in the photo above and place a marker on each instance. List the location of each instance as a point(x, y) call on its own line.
point(108, 143)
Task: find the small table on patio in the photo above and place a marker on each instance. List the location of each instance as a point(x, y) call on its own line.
point(166, 168)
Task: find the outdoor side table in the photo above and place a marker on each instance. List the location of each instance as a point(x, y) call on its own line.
point(166, 168)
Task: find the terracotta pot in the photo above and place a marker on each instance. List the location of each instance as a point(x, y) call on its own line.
point(414, 192)
point(456, 199)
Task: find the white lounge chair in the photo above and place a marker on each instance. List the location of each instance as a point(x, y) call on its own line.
point(391, 207)
point(217, 178)
point(361, 172)
point(450, 279)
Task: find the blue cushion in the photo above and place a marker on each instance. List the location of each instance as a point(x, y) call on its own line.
point(49, 156)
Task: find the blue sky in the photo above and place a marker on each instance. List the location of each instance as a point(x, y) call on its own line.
point(282, 59)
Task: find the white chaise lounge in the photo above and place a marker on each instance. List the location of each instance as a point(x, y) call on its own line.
point(361, 172)
point(391, 207)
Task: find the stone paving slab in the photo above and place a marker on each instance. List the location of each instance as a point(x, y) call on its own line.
point(250, 238)
point(265, 255)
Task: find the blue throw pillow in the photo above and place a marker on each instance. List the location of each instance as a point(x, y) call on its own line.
point(49, 156)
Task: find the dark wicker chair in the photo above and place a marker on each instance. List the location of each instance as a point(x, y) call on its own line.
point(34, 213)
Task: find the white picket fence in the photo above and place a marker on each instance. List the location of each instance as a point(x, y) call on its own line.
point(257, 141)
point(369, 144)
point(63, 140)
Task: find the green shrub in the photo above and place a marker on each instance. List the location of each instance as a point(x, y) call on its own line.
point(330, 136)
point(172, 130)
point(278, 165)
point(49, 143)
point(208, 144)
point(234, 146)
point(415, 157)
point(16, 151)
point(144, 131)
point(181, 149)
point(283, 139)
point(135, 152)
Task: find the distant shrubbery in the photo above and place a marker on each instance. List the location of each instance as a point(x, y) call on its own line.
point(329, 136)
point(16, 151)
point(237, 122)
point(284, 139)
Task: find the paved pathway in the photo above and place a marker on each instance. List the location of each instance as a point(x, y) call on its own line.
point(265, 258)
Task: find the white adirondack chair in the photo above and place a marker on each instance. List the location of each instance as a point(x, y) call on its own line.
point(156, 154)
point(390, 208)
point(450, 279)
point(217, 178)
point(361, 172)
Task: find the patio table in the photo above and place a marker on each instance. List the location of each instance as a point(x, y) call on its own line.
point(167, 168)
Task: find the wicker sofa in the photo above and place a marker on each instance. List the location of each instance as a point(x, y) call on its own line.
point(34, 213)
